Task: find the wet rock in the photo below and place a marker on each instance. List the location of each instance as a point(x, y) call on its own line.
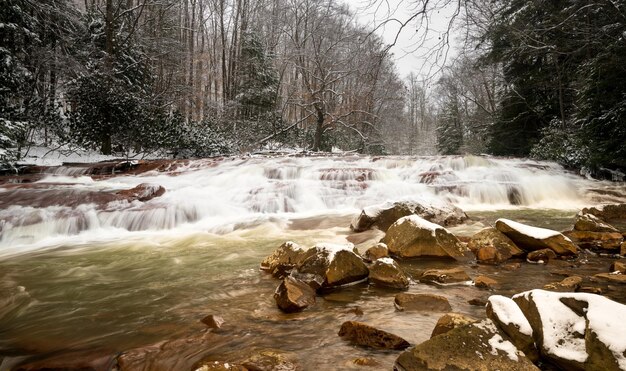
point(493, 247)
point(221, 366)
point(543, 256)
point(569, 284)
point(383, 216)
point(607, 212)
point(357, 311)
point(478, 346)
point(142, 192)
point(576, 331)
point(386, 272)
point(422, 302)
point(512, 266)
point(618, 266)
point(368, 336)
point(270, 360)
point(378, 251)
point(445, 276)
point(70, 361)
point(364, 361)
point(532, 238)
point(284, 259)
point(213, 321)
point(611, 277)
point(596, 240)
point(622, 249)
point(509, 318)
point(478, 302)
point(338, 264)
point(450, 321)
point(591, 223)
point(591, 290)
point(315, 281)
point(484, 282)
point(293, 295)
point(412, 236)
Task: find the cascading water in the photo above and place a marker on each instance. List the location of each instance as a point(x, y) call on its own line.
point(218, 196)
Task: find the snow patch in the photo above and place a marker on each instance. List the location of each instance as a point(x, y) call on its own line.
point(509, 313)
point(534, 232)
point(498, 343)
point(332, 249)
point(420, 223)
point(387, 261)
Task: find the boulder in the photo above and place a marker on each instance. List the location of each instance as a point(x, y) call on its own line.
point(533, 238)
point(569, 284)
point(377, 251)
point(445, 276)
point(361, 334)
point(611, 278)
point(450, 321)
point(384, 215)
point(412, 236)
point(422, 302)
point(293, 295)
point(213, 321)
point(386, 272)
point(493, 247)
point(591, 223)
point(284, 259)
point(618, 266)
point(576, 331)
point(607, 212)
point(478, 346)
point(484, 282)
point(596, 240)
point(337, 264)
point(511, 266)
point(477, 302)
point(509, 318)
point(541, 256)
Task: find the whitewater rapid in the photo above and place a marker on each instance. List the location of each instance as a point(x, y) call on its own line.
point(232, 194)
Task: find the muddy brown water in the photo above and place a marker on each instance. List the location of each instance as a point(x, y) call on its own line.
point(113, 296)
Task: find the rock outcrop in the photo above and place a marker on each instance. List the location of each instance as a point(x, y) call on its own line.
point(412, 236)
point(532, 238)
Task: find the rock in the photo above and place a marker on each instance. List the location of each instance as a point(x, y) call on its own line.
point(213, 321)
point(293, 295)
point(591, 290)
point(412, 236)
point(384, 215)
point(509, 318)
point(618, 266)
point(533, 238)
point(445, 276)
point(512, 266)
point(478, 346)
point(569, 284)
point(376, 252)
point(493, 247)
point(596, 240)
point(611, 277)
point(270, 360)
point(483, 282)
point(591, 223)
point(422, 302)
point(284, 259)
point(450, 321)
point(315, 281)
point(221, 366)
point(622, 249)
point(142, 192)
point(368, 362)
point(338, 264)
point(607, 212)
point(368, 336)
point(576, 331)
point(386, 272)
point(477, 302)
point(543, 256)
point(86, 360)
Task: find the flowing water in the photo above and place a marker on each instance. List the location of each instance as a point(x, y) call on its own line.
point(105, 278)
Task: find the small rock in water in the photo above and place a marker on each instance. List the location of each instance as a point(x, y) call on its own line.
point(365, 335)
point(363, 361)
point(450, 321)
point(618, 266)
point(493, 247)
point(569, 284)
point(543, 255)
point(386, 272)
point(478, 302)
point(270, 360)
point(293, 295)
point(591, 223)
point(221, 366)
point(483, 282)
point(597, 241)
point(445, 276)
point(213, 321)
point(512, 266)
point(422, 302)
point(611, 277)
point(376, 252)
point(356, 311)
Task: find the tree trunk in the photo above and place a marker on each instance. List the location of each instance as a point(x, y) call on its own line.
point(319, 130)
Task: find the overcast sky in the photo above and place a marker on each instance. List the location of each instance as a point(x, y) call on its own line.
point(411, 50)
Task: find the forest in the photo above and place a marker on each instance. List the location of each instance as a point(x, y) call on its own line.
point(199, 78)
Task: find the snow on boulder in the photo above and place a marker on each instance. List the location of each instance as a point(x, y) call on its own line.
point(386, 272)
point(576, 331)
point(413, 236)
point(384, 215)
point(337, 264)
point(509, 318)
point(284, 259)
point(533, 238)
point(477, 346)
point(493, 247)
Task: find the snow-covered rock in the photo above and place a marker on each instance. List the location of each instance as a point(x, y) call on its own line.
point(377, 251)
point(384, 215)
point(386, 272)
point(413, 236)
point(576, 331)
point(284, 259)
point(533, 238)
point(509, 318)
point(337, 264)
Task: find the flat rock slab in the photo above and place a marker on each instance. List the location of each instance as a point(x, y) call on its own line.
point(368, 336)
point(422, 302)
point(445, 276)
